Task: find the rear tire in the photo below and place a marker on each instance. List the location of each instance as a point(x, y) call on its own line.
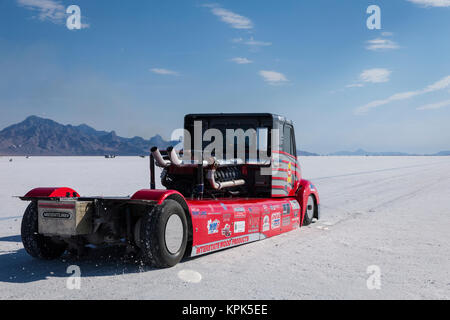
point(310, 211)
point(164, 235)
point(37, 245)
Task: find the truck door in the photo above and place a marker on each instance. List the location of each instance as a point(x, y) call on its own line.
point(285, 175)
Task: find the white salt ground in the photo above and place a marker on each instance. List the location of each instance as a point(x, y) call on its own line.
point(388, 212)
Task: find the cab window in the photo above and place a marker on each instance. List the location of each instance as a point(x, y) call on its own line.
point(289, 140)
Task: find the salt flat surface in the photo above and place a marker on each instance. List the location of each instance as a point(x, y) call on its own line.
point(389, 212)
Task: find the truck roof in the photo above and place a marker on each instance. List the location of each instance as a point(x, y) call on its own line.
point(237, 115)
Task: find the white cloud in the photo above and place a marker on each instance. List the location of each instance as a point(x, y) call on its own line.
point(235, 20)
point(381, 44)
point(432, 3)
point(237, 40)
point(434, 106)
point(273, 77)
point(251, 42)
point(240, 60)
point(164, 72)
point(439, 85)
point(48, 10)
point(387, 34)
point(255, 43)
point(377, 75)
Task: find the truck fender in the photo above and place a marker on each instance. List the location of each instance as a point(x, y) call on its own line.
point(159, 196)
point(305, 190)
point(55, 192)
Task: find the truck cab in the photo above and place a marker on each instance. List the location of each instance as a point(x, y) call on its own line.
point(258, 148)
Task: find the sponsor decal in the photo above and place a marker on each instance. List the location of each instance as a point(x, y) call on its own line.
point(226, 231)
point(286, 221)
point(223, 206)
point(213, 226)
point(222, 244)
point(253, 223)
point(289, 173)
point(286, 209)
point(56, 215)
point(226, 217)
point(312, 187)
point(239, 212)
point(276, 217)
point(203, 213)
point(266, 223)
point(239, 227)
point(275, 207)
point(295, 205)
point(195, 213)
point(265, 209)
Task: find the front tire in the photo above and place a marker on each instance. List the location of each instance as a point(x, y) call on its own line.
point(310, 211)
point(37, 245)
point(164, 235)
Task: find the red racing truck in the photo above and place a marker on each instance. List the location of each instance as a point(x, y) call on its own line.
point(210, 202)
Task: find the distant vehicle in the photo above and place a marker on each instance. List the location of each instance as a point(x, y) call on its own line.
point(208, 205)
point(110, 156)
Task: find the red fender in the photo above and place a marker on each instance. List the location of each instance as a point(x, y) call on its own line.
point(156, 195)
point(303, 193)
point(50, 193)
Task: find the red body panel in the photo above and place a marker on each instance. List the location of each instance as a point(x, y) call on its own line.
point(52, 193)
point(222, 223)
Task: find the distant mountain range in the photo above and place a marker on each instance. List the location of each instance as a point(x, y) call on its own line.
point(361, 152)
point(36, 136)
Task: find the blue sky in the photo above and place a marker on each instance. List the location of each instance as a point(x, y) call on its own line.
point(138, 66)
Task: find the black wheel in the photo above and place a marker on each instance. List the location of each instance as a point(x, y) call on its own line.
point(37, 245)
point(164, 234)
point(310, 211)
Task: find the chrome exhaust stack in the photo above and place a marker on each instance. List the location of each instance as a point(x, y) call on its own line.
point(174, 157)
point(159, 160)
point(175, 160)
